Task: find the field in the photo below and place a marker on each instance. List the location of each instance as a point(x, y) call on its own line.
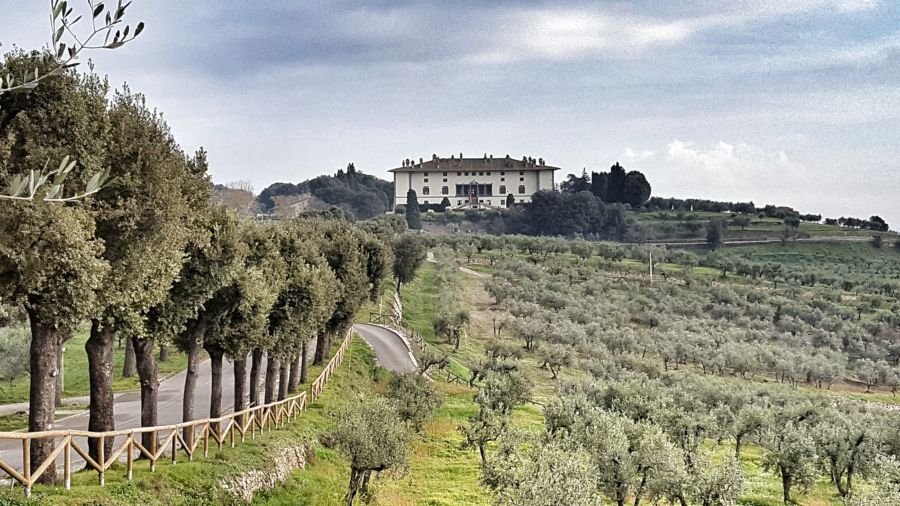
point(442, 472)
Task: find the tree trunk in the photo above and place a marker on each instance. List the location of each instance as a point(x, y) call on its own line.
point(738, 442)
point(130, 368)
point(240, 384)
point(148, 373)
point(99, 347)
point(163, 352)
point(215, 390)
point(190, 378)
point(271, 378)
point(321, 349)
point(44, 362)
point(284, 380)
point(295, 375)
point(57, 400)
point(786, 487)
point(255, 373)
point(304, 363)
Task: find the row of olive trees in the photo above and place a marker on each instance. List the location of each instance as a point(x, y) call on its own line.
point(147, 257)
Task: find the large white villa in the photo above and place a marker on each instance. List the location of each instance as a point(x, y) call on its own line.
point(472, 182)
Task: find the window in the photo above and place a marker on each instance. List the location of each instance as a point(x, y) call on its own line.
point(489, 173)
point(520, 179)
point(502, 179)
point(425, 190)
point(445, 190)
point(521, 189)
point(458, 174)
point(521, 201)
point(426, 202)
point(445, 174)
point(502, 173)
point(426, 179)
point(459, 202)
point(466, 173)
point(426, 174)
point(520, 173)
point(502, 189)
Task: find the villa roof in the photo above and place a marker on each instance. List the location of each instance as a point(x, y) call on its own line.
point(469, 164)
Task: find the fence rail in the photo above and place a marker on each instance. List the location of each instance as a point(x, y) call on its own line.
point(165, 440)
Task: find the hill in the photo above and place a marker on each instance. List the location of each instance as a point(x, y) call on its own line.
point(363, 195)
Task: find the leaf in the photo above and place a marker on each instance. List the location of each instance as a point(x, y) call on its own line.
point(61, 50)
point(62, 164)
point(94, 183)
point(98, 10)
point(57, 8)
point(58, 34)
point(139, 29)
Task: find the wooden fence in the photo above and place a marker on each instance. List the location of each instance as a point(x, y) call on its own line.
point(165, 441)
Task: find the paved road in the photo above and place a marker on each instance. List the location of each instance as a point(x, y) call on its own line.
point(391, 351)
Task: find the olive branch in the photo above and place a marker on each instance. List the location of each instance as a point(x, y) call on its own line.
point(67, 44)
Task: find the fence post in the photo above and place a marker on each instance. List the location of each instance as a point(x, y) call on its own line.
point(26, 464)
point(175, 448)
point(130, 457)
point(67, 462)
point(101, 452)
point(153, 451)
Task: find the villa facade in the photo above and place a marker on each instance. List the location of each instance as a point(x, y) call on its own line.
point(483, 182)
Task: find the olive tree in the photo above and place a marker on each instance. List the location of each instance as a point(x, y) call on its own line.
point(409, 253)
point(371, 435)
point(416, 398)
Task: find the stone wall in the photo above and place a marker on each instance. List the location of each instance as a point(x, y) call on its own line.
point(284, 462)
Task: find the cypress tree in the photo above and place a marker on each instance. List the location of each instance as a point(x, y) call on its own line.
point(413, 218)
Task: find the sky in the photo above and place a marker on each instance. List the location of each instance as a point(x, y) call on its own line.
point(789, 102)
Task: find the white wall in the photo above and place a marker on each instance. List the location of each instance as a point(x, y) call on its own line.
point(503, 183)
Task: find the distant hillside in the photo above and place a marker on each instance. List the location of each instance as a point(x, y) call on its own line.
point(363, 195)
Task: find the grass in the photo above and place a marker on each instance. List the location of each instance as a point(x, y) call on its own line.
point(198, 482)
point(76, 379)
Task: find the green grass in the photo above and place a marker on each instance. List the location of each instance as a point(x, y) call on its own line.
point(76, 380)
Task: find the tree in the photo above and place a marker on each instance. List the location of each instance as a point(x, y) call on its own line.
point(342, 246)
point(715, 232)
point(555, 356)
point(144, 218)
point(207, 279)
point(50, 259)
point(413, 217)
point(575, 184)
point(306, 303)
point(716, 484)
point(635, 189)
point(542, 473)
point(416, 398)
point(848, 446)
point(44, 183)
point(790, 453)
point(168, 318)
point(510, 201)
point(371, 435)
point(615, 184)
point(451, 324)
point(742, 220)
point(51, 263)
point(14, 344)
point(445, 204)
point(485, 426)
point(409, 253)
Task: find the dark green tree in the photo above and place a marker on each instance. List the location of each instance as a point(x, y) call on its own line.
point(413, 217)
point(715, 232)
point(635, 189)
point(409, 253)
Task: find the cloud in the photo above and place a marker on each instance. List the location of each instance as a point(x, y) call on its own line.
point(637, 156)
point(731, 162)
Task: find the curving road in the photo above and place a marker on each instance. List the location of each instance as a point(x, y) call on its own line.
point(390, 351)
